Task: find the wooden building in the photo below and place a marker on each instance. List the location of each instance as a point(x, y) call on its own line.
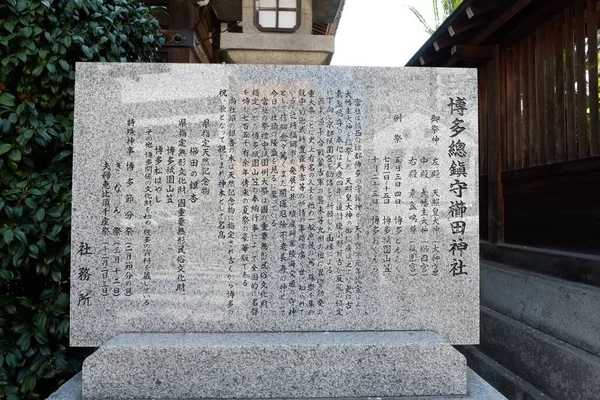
point(537, 64)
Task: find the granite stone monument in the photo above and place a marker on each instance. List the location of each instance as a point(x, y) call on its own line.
point(250, 231)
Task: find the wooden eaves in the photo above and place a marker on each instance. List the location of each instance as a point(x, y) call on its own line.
point(463, 39)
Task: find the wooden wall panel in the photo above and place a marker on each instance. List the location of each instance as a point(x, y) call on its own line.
point(524, 88)
point(549, 86)
point(559, 94)
point(570, 82)
point(592, 56)
point(539, 112)
point(582, 139)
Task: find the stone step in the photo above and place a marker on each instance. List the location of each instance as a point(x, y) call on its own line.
point(502, 379)
point(274, 365)
point(477, 389)
point(553, 366)
point(566, 310)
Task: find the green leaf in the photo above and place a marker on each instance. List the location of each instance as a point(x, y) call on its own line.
point(28, 384)
point(29, 202)
point(15, 155)
point(87, 51)
point(20, 328)
point(56, 275)
point(55, 230)
point(11, 360)
point(64, 65)
point(18, 211)
point(7, 99)
point(60, 361)
point(4, 147)
point(40, 321)
point(20, 108)
point(54, 212)
point(61, 155)
point(40, 338)
point(37, 70)
point(20, 235)
point(34, 250)
point(47, 294)
point(51, 68)
point(39, 215)
point(24, 341)
point(6, 275)
point(23, 373)
point(63, 328)
point(25, 301)
point(27, 31)
point(8, 236)
point(9, 26)
point(38, 361)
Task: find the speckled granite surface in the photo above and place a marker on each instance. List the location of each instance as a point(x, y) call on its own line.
point(477, 389)
point(236, 198)
point(274, 365)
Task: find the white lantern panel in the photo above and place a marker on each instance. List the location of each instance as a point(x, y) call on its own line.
point(287, 3)
point(287, 19)
point(267, 19)
point(267, 3)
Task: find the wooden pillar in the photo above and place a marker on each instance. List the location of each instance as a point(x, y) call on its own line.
point(496, 113)
point(182, 15)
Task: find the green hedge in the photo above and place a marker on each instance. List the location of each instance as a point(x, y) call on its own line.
point(40, 41)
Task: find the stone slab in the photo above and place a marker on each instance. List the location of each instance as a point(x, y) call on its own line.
point(235, 198)
point(268, 41)
point(557, 368)
point(274, 365)
point(568, 265)
point(477, 389)
point(70, 390)
point(502, 379)
point(566, 310)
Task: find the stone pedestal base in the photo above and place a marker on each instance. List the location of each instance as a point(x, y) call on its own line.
point(477, 389)
point(275, 365)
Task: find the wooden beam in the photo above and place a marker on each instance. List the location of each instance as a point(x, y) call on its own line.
point(473, 53)
point(452, 61)
point(574, 167)
point(529, 22)
point(500, 21)
point(447, 41)
point(429, 58)
point(462, 26)
point(477, 9)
